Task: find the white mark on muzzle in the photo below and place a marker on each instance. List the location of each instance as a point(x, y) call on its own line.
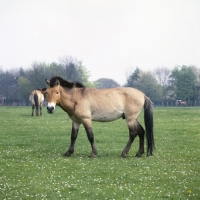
point(51, 107)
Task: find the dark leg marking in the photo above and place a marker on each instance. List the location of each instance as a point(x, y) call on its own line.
point(132, 135)
point(33, 109)
point(90, 136)
point(141, 132)
point(137, 129)
point(37, 111)
point(74, 134)
point(40, 110)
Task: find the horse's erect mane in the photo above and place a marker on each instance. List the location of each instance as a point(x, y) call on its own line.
point(65, 83)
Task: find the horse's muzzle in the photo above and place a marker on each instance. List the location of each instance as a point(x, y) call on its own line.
point(50, 109)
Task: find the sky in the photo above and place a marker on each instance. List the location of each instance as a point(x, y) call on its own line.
point(110, 37)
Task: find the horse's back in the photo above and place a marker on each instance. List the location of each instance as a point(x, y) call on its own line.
point(120, 94)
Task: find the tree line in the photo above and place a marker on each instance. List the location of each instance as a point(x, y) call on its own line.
point(16, 85)
point(166, 87)
point(162, 85)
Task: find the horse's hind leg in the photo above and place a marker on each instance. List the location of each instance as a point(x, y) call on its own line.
point(33, 110)
point(36, 110)
point(74, 134)
point(132, 135)
point(40, 110)
point(140, 132)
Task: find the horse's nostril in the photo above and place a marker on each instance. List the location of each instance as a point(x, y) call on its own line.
point(50, 109)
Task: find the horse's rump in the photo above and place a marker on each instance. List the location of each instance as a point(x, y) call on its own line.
point(36, 98)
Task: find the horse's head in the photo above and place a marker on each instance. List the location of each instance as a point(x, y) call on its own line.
point(52, 94)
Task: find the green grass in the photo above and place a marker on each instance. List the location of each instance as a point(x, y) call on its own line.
point(32, 165)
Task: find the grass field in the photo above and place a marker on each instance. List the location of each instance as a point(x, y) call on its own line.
point(32, 165)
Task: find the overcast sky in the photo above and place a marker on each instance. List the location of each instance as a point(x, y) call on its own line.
point(108, 36)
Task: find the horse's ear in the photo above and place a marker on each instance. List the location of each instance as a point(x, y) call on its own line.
point(57, 82)
point(47, 82)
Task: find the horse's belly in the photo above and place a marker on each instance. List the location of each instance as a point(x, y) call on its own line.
point(106, 117)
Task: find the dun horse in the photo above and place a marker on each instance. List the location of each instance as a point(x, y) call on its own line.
point(85, 105)
point(36, 98)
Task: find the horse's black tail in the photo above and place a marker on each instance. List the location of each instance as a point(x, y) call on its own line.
point(148, 120)
point(36, 103)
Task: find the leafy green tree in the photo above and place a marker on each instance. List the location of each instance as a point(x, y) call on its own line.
point(133, 78)
point(53, 69)
point(196, 86)
point(184, 78)
point(149, 85)
point(25, 88)
point(21, 72)
point(105, 83)
point(84, 74)
point(145, 82)
point(8, 85)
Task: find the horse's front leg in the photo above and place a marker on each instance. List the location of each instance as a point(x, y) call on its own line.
point(74, 134)
point(90, 135)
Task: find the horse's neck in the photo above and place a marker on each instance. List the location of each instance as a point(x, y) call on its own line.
point(67, 99)
point(68, 94)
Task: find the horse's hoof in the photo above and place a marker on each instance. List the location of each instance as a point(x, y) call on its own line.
point(92, 155)
point(123, 155)
point(139, 154)
point(94, 151)
point(67, 154)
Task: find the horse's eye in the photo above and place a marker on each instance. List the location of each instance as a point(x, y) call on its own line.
point(57, 92)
